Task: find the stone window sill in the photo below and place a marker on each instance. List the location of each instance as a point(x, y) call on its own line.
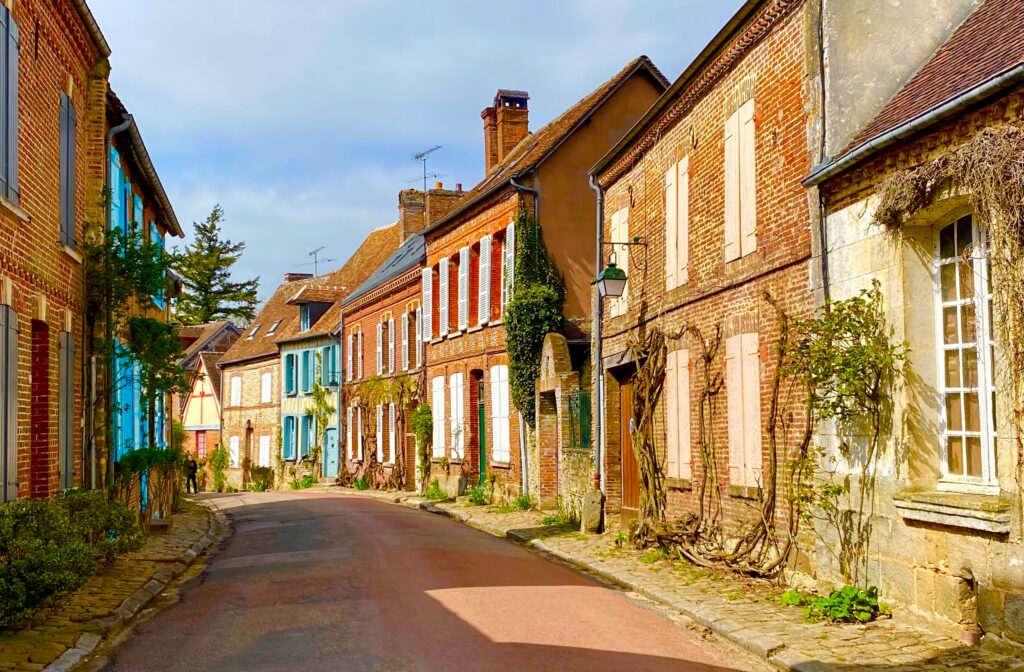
point(14, 210)
point(455, 334)
point(987, 513)
point(496, 323)
point(742, 492)
point(476, 328)
point(75, 256)
point(679, 484)
point(499, 465)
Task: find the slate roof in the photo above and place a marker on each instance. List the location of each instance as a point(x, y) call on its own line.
point(536, 147)
point(209, 361)
point(988, 43)
point(412, 253)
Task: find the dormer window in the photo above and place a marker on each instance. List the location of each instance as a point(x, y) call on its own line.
point(273, 328)
point(304, 317)
point(253, 331)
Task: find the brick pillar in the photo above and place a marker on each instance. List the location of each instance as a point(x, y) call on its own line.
point(547, 448)
point(42, 460)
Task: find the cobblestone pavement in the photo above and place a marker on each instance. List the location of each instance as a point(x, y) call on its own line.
point(745, 612)
point(59, 637)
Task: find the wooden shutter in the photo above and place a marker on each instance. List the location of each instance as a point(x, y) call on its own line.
point(391, 432)
point(497, 449)
point(510, 259)
point(463, 288)
point(11, 173)
point(116, 189)
point(426, 328)
point(442, 297)
point(682, 270)
point(671, 227)
point(420, 337)
point(348, 358)
point(747, 179)
point(380, 433)
point(359, 354)
point(348, 431)
point(288, 438)
point(437, 406)
point(405, 342)
point(9, 402)
point(67, 171)
point(457, 415)
point(65, 410)
point(678, 411)
point(732, 184)
point(483, 305)
point(751, 410)
point(391, 345)
point(5, 82)
point(734, 400)
point(380, 348)
point(671, 407)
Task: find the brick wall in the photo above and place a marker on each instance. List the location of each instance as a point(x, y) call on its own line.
point(264, 419)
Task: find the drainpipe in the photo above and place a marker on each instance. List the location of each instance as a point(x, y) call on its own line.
point(822, 151)
point(599, 438)
point(341, 377)
point(523, 456)
point(533, 192)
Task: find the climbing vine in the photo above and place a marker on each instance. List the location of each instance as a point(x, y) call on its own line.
point(320, 410)
point(535, 310)
point(990, 171)
point(404, 393)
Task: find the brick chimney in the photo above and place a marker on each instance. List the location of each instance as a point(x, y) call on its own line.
point(441, 201)
point(513, 119)
point(292, 277)
point(490, 117)
point(410, 212)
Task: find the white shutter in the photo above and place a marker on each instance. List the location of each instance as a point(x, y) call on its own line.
point(391, 345)
point(380, 433)
point(265, 385)
point(264, 460)
point(442, 299)
point(426, 328)
point(747, 179)
point(359, 354)
point(734, 400)
point(380, 348)
point(457, 415)
point(359, 432)
point(496, 444)
point(751, 411)
point(437, 407)
point(671, 407)
point(391, 432)
point(348, 361)
point(464, 289)
point(348, 427)
point(483, 313)
point(236, 391)
point(671, 228)
point(420, 317)
point(620, 234)
point(683, 413)
point(510, 259)
point(682, 269)
point(405, 342)
point(732, 195)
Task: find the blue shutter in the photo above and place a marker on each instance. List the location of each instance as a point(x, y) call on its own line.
point(126, 204)
point(157, 239)
point(68, 123)
point(116, 189)
point(307, 380)
point(287, 442)
point(161, 440)
point(10, 72)
point(289, 374)
point(304, 436)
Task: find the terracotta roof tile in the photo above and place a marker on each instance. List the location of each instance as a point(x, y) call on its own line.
point(202, 333)
point(209, 360)
point(274, 310)
point(314, 293)
point(987, 44)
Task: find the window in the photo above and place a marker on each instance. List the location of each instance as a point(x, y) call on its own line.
point(501, 448)
point(442, 298)
point(380, 348)
point(252, 332)
point(157, 238)
point(66, 410)
point(236, 391)
point(264, 456)
point(677, 414)
point(743, 389)
point(307, 428)
point(380, 433)
point(391, 345)
point(68, 146)
point(420, 317)
point(234, 458)
point(290, 386)
point(677, 216)
point(117, 207)
point(304, 317)
point(740, 183)
point(288, 438)
point(266, 385)
point(348, 429)
point(437, 410)
point(405, 342)
point(510, 264)
point(359, 431)
point(201, 443)
point(307, 371)
point(457, 415)
point(463, 276)
point(619, 233)
point(348, 357)
point(329, 366)
point(359, 355)
point(273, 328)
point(426, 328)
point(483, 301)
point(965, 355)
point(9, 38)
point(391, 433)
point(503, 255)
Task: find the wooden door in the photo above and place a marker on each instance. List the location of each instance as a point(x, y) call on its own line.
point(630, 471)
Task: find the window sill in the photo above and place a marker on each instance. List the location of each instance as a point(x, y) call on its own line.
point(495, 323)
point(679, 484)
point(14, 210)
point(986, 513)
point(437, 340)
point(742, 492)
point(475, 329)
point(499, 465)
point(455, 334)
point(75, 256)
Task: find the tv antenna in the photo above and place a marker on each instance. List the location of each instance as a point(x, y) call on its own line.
point(423, 156)
point(316, 260)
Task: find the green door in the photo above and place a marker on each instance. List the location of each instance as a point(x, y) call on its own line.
point(481, 429)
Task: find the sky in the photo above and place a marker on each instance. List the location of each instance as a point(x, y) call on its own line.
point(301, 118)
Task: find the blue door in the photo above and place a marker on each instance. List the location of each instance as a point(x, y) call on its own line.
point(331, 453)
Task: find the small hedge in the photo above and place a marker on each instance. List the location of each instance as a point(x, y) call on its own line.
point(50, 547)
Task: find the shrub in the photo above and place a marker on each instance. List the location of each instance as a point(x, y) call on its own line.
point(219, 462)
point(361, 483)
point(308, 481)
point(849, 604)
point(50, 547)
point(521, 503)
point(478, 496)
point(260, 478)
point(423, 425)
point(534, 311)
point(435, 491)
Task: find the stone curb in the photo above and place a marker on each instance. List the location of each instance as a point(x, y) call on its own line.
point(137, 601)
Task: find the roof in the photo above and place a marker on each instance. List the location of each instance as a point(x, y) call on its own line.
point(535, 148)
point(146, 168)
point(315, 293)
point(987, 44)
point(703, 73)
point(203, 333)
point(261, 345)
point(209, 361)
point(94, 28)
point(379, 244)
point(412, 253)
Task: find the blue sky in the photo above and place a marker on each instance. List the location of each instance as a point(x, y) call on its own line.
point(300, 118)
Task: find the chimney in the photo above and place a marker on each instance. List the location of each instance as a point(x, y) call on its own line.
point(490, 117)
point(292, 277)
point(513, 120)
point(441, 201)
point(410, 213)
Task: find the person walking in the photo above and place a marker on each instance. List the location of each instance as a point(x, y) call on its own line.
point(191, 469)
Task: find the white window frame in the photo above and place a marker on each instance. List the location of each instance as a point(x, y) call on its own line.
point(438, 388)
point(987, 482)
point(266, 387)
point(500, 415)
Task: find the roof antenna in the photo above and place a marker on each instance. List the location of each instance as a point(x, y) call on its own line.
point(423, 156)
point(314, 254)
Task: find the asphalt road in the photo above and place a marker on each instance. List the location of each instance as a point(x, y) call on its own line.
point(332, 582)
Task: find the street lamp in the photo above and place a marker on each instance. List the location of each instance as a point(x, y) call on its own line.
point(611, 282)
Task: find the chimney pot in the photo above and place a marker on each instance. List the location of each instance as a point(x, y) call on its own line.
point(293, 276)
point(438, 185)
point(458, 187)
point(512, 120)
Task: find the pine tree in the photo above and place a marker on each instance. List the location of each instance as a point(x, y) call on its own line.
point(208, 294)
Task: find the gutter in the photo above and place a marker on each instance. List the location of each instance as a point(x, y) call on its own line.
point(596, 365)
point(146, 164)
point(90, 25)
point(529, 190)
point(951, 107)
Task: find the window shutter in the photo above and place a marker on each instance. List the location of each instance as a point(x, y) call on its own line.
point(442, 297)
point(671, 227)
point(455, 388)
point(420, 317)
point(9, 402)
point(11, 173)
point(288, 439)
point(116, 188)
point(5, 82)
point(734, 399)
point(359, 432)
point(748, 179)
point(348, 359)
point(437, 406)
point(683, 413)
point(732, 195)
point(426, 328)
point(671, 406)
point(683, 222)
point(65, 103)
point(359, 355)
point(380, 348)
point(498, 448)
point(405, 342)
point(751, 410)
point(380, 433)
point(137, 213)
point(391, 432)
point(391, 345)
point(483, 312)
point(510, 259)
point(348, 429)
point(620, 234)
point(463, 288)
